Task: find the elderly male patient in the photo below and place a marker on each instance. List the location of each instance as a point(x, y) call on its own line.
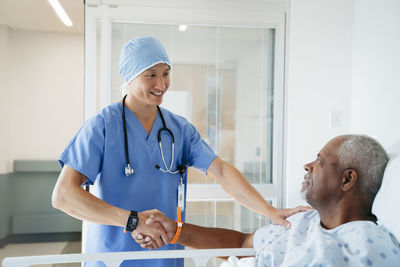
point(341, 185)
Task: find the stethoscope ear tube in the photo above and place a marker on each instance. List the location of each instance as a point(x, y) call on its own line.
point(128, 169)
point(165, 129)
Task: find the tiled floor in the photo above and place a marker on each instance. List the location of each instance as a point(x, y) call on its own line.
point(35, 249)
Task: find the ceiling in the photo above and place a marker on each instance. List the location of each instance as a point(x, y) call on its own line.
point(38, 15)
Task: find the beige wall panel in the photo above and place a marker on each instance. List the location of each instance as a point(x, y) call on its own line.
point(46, 92)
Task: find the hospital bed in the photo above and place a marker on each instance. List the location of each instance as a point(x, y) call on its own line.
point(385, 208)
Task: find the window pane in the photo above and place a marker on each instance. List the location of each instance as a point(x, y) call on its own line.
point(222, 214)
point(98, 65)
point(221, 81)
point(246, 52)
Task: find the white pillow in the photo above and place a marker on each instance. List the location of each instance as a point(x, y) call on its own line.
point(387, 202)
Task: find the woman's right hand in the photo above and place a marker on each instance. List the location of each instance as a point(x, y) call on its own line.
point(279, 216)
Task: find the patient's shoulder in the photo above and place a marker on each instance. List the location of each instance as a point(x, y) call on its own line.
point(295, 219)
point(304, 217)
point(367, 232)
point(300, 221)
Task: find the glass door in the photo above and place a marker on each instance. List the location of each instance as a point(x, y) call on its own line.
point(221, 80)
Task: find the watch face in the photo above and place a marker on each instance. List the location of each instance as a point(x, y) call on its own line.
point(132, 224)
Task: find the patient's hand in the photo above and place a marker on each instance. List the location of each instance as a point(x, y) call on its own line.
point(154, 218)
point(156, 235)
point(279, 216)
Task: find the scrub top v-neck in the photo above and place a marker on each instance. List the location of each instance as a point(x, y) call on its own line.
point(141, 131)
point(97, 151)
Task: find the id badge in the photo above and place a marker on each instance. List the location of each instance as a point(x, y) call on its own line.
point(181, 196)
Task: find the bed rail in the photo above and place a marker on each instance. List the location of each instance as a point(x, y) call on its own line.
point(114, 259)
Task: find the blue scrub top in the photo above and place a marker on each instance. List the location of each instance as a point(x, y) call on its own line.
point(97, 151)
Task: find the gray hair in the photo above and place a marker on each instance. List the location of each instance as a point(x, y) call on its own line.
point(367, 157)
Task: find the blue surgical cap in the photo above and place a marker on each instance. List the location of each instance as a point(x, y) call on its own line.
point(140, 54)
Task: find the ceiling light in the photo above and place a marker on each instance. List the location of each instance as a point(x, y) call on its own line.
point(182, 28)
point(60, 12)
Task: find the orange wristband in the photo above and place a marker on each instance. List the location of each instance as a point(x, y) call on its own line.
point(180, 224)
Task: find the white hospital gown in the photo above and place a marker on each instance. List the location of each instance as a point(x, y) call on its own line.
point(358, 243)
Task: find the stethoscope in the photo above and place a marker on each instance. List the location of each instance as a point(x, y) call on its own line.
point(129, 170)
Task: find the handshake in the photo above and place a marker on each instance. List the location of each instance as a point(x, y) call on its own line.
point(154, 229)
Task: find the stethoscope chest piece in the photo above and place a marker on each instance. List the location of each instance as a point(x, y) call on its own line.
point(129, 170)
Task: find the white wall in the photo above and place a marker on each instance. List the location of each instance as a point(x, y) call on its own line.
point(318, 81)
point(43, 100)
point(345, 56)
point(375, 107)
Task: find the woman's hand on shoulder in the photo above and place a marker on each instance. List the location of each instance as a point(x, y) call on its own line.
point(279, 216)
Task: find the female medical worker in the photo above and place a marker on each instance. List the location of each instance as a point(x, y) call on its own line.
point(118, 151)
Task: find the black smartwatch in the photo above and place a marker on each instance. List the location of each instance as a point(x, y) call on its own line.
point(133, 221)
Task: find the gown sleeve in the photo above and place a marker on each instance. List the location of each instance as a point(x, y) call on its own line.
point(85, 151)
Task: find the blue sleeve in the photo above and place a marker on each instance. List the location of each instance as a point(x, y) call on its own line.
point(200, 153)
point(85, 151)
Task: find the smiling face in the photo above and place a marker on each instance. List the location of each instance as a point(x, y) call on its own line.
point(150, 86)
point(322, 182)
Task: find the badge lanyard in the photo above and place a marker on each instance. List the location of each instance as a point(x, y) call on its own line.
point(179, 208)
point(181, 194)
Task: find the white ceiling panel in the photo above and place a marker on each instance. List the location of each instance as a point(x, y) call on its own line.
point(38, 15)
